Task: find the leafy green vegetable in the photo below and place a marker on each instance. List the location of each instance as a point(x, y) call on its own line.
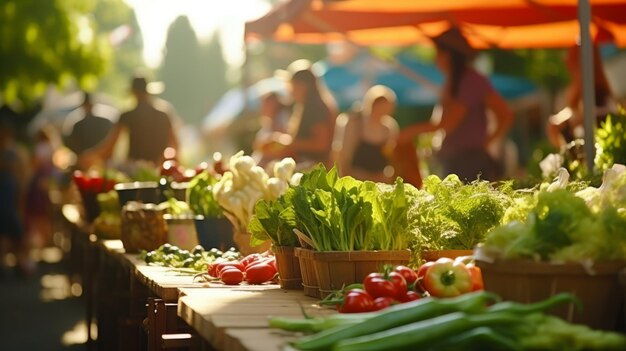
point(337, 214)
point(275, 221)
point(611, 141)
point(561, 227)
point(448, 214)
point(200, 196)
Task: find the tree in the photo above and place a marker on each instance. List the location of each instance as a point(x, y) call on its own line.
point(43, 42)
point(194, 74)
point(117, 21)
point(213, 69)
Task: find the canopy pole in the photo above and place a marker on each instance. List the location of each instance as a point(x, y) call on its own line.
point(588, 84)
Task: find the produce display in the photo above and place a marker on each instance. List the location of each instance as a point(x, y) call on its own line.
point(452, 215)
point(611, 141)
point(337, 213)
point(438, 305)
point(239, 188)
point(252, 269)
point(200, 196)
point(195, 261)
point(442, 278)
point(378, 291)
point(109, 222)
point(559, 225)
point(474, 321)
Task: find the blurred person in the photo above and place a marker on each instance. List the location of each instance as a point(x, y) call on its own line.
point(567, 124)
point(274, 121)
point(84, 129)
point(465, 98)
point(150, 128)
point(13, 175)
point(364, 140)
point(38, 206)
point(312, 119)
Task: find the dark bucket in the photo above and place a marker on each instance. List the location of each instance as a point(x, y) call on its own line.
point(214, 233)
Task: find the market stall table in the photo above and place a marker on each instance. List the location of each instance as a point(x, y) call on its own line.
point(236, 318)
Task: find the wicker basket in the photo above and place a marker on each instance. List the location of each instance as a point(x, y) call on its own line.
point(528, 281)
point(288, 265)
point(434, 255)
point(337, 269)
point(310, 282)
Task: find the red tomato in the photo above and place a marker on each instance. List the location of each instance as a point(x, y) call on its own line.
point(272, 262)
point(265, 261)
point(477, 276)
point(398, 283)
point(377, 286)
point(356, 301)
point(251, 258)
point(381, 303)
point(409, 275)
point(421, 272)
point(231, 276)
point(410, 296)
point(260, 273)
point(220, 266)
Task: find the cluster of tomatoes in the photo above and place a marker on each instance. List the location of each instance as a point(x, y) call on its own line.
point(253, 269)
point(442, 278)
point(380, 290)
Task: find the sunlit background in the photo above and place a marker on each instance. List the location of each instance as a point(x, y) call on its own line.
point(206, 17)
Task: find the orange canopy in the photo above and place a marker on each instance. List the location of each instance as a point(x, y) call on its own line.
point(486, 23)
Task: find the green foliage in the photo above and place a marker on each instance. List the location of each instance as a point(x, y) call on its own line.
point(43, 42)
point(543, 66)
point(275, 221)
point(337, 214)
point(200, 196)
point(112, 16)
point(194, 74)
point(561, 227)
point(611, 141)
point(451, 215)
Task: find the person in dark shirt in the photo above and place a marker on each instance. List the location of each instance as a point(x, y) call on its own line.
point(465, 99)
point(363, 140)
point(149, 126)
point(85, 129)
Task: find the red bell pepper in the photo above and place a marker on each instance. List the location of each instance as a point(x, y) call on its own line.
point(447, 278)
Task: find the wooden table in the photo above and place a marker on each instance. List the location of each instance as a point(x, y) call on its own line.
point(164, 282)
point(224, 317)
point(235, 318)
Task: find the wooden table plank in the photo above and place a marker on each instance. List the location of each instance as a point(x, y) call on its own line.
point(211, 312)
point(165, 282)
point(258, 339)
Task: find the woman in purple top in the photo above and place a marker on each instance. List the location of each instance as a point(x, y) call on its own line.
point(465, 98)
